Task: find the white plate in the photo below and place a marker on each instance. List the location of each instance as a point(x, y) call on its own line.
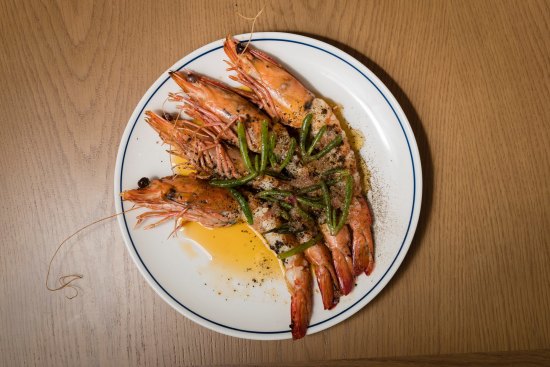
point(389, 149)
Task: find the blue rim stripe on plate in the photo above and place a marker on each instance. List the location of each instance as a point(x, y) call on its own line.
point(389, 267)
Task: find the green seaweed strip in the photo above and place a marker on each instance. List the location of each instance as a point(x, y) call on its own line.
point(243, 147)
point(244, 205)
point(300, 248)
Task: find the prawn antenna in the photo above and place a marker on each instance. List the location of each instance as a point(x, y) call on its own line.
point(66, 281)
point(253, 19)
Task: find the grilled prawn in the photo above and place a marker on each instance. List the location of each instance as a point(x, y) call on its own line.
point(221, 107)
point(284, 98)
point(185, 199)
point(267, 218)
point(189, 199)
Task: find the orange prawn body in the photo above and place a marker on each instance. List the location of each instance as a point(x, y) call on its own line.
point(185, 198)
point(289, 101)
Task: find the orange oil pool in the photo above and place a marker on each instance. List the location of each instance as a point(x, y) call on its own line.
point(236, 249)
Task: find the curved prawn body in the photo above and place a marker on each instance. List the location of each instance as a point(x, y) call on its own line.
point(297, 271)
point(219, 106)
point(360, 218)
point(184, 198)
point(298, 278)
point(363, 243)
point(319, 257)
point(286, 99)
point(341, 255)
point(276, 90)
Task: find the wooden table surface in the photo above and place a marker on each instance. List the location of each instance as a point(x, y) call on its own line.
point(474, 80)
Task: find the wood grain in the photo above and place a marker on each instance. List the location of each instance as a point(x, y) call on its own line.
point(531, 358)
point(472, 76)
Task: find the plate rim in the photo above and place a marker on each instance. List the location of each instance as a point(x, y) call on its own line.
point(417, 187)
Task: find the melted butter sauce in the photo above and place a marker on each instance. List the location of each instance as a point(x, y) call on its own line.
point(356, 140)
point(238, 250)
point(179, 166)
point(245, 88)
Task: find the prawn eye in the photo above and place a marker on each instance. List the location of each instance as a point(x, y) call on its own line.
point(171, 194)
point(240, 47)
point(143, 182)
point(191, 78)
